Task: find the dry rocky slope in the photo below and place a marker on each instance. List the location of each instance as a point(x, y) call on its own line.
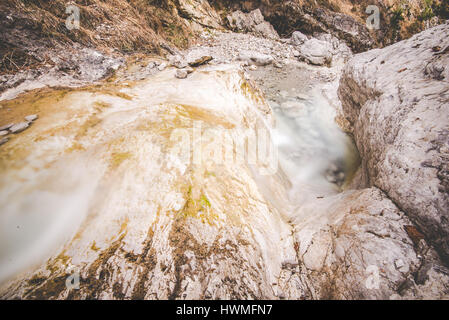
point(37, 45)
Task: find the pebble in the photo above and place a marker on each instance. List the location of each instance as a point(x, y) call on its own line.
point(3, 133)
point(6, 127)
point(162, 66)
point(181, 74)
point(19, 127)
point(31, 117)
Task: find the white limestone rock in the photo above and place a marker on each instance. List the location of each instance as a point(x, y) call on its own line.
point(396, 101)
point(19, 127)
point(316, 52)
point(298, 38)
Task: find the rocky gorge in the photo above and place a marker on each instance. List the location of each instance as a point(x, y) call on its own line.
point(260, 161)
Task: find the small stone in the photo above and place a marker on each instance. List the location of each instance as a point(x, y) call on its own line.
point(19, 127)
point(181, 74)
point(178, 62)
point(4, 140)
point(289, 264)
point(253, 68)
point(31, 117)
point(401, 266)
point(3, 133)
point(6, 127)
point(398, 263)
point(162, 66)
point(278, 65)
point(200, 61)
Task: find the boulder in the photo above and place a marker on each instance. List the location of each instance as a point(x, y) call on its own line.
point(298, 38)
point(178, 61)
point(316, 52)
point(265, 30)
point(253, 22)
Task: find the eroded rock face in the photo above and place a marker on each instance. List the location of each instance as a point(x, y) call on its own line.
point(397, 101)
point(354, 246)
point(253, 22)
point(198, 11)
point(346, 28)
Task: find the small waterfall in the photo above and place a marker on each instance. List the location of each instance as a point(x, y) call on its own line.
point(315, 154)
